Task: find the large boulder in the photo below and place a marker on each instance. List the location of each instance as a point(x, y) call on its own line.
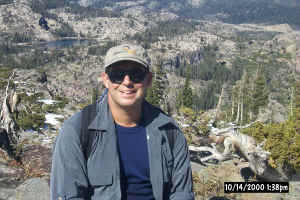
point(9, 177)
point(32, 189)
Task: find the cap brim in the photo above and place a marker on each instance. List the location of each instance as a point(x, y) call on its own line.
point(125, 59)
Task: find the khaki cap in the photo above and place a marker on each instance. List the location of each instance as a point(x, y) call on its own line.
point(127, 52)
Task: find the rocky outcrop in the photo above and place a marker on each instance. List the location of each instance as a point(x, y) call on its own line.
point(209, 182)
point(76, 80)
point(183, 59)
point(20, 180)
point(102, 28)
point(32, 189)
point(19, 18)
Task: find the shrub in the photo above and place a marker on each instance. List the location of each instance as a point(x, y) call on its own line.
point(31, 121)
point(65, 31)
point(281, 140)
point(62, 101)
point(5, 73)
point(101, 50)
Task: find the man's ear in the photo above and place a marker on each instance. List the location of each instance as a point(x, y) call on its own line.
point(104, 79)
point(149, 79)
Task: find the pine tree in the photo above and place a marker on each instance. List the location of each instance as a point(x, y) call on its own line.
point(156, 94)
point(260, 94)
point(153, 94)
point(247, 100)
point(296, 109)
point(234, 101)
point(187, 93)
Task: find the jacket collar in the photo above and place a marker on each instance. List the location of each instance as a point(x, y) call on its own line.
point(151, 116)
point(103, 119)
point(154, 116)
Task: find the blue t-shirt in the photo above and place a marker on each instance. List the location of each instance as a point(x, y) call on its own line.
point(134, 163)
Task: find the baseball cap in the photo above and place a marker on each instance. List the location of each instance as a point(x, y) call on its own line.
point(125, 52)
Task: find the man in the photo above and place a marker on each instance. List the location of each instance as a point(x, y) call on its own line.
point(132, 157)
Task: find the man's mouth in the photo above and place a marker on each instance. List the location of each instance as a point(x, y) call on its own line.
point(128, 92)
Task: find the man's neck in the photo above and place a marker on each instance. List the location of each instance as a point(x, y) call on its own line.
point(126, 116)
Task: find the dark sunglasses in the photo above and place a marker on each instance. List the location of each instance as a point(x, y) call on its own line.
point(117, 75)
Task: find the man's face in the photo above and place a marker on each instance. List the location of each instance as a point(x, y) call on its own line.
point(127, 82)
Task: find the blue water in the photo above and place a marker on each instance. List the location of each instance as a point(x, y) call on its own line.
point(46, 126)
point(66, 43)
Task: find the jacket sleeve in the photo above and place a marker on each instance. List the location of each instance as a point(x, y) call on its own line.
point(68, 173)
point(182, 182)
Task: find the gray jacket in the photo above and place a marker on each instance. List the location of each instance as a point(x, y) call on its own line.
point(72, 177)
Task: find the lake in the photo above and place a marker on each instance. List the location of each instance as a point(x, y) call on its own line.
point(66, 43)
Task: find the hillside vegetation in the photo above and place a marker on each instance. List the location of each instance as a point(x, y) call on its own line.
point(238, 59)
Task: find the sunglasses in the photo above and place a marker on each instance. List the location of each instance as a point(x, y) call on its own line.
point(117, 75)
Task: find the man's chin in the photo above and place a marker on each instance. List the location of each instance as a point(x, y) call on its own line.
point(127, 103)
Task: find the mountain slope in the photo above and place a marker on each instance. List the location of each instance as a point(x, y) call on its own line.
point(230, 11)
point(217, 52)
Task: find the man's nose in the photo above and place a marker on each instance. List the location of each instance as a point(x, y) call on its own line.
point(127, 80)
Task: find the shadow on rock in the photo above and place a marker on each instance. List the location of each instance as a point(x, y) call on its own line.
point(219, 198)
point(196, 157)
point(247, 173)
point(5, 143)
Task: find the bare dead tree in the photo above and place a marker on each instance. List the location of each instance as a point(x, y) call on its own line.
point(220, 101)
point(239, 104)
point(291, 90)
point(244, 145)
point(232, 106)
point(7, 121)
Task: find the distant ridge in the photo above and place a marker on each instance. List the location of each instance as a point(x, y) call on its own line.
point(229, 11)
